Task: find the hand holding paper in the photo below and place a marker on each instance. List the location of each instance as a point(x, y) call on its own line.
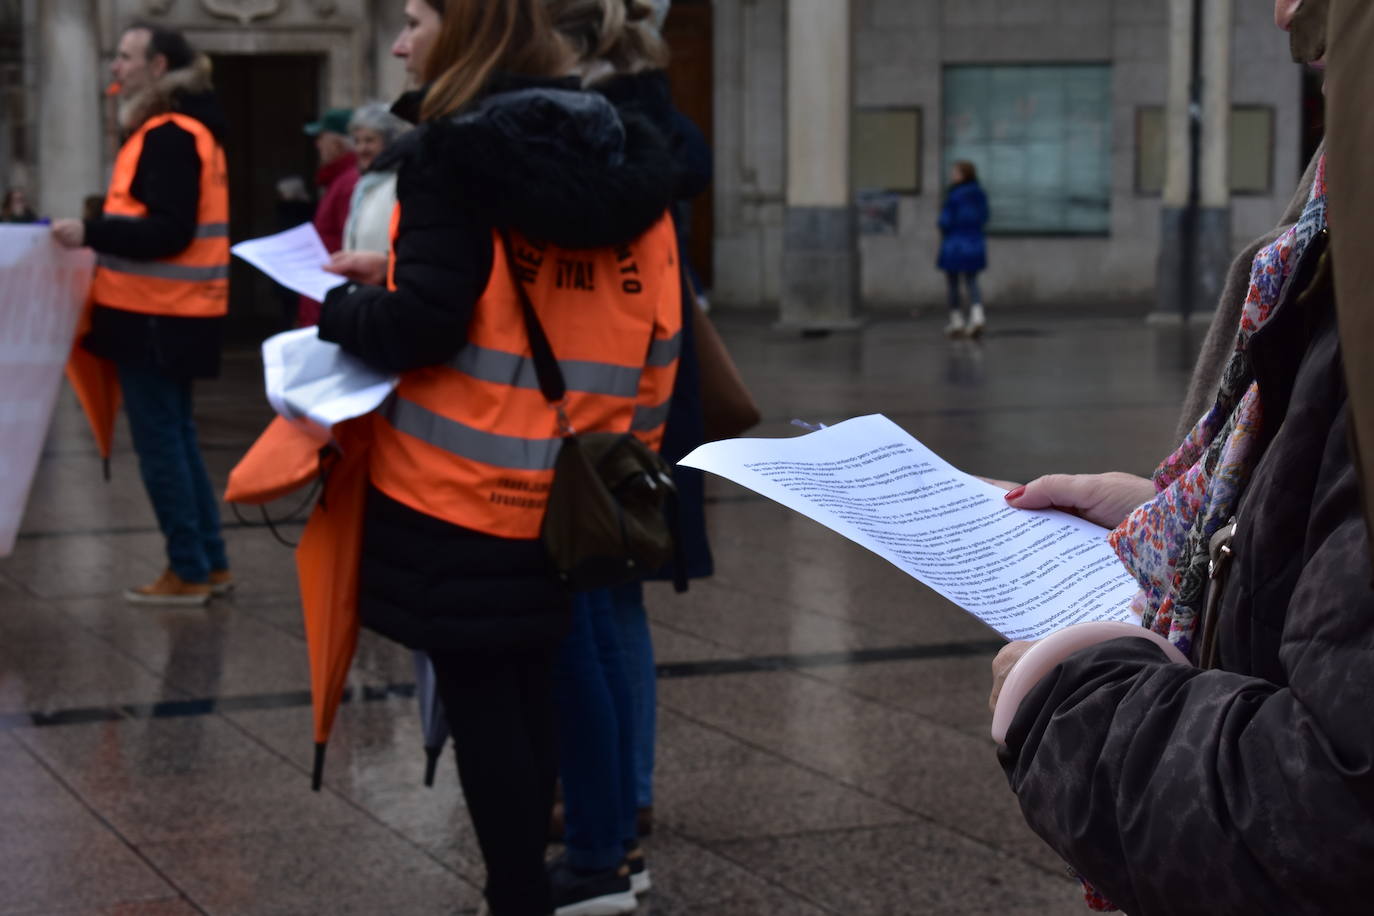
point(1024, 573)
point(294, 258)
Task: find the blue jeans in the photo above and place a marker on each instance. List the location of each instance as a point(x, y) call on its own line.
point(596, 743)
point(975, 297)
point(637, 643)
point(159, 410)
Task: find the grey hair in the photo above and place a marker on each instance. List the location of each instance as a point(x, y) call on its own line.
point(377, 116)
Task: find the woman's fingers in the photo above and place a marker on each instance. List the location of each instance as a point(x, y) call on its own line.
point(1063, 491)
point(338, 263)
point(359, 266)
point(1104, 499)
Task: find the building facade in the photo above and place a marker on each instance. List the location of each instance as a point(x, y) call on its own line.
point(1061, 104)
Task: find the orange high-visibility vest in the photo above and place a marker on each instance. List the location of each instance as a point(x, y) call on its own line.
point(193, 283)
point(473, 442)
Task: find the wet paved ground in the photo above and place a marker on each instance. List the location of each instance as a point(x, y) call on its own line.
point(823, 745)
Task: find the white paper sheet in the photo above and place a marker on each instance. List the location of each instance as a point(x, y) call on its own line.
point(43, 290)
point(315, 384)
point(1023, 573)
point(294, 258)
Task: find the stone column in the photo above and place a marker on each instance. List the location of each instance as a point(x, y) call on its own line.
point(389, 76)
point(820, 280)
point(1195, 230)
point(1214, 251)
point(70, 72)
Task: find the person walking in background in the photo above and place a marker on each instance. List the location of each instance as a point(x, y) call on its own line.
point(16, 208)
point(367, 232)
point(963, 247)
point(161, 290)
point(462, 458)
point(336, 178)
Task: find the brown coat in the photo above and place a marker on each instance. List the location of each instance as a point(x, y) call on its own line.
point(1350, 131)
point(1248, 788)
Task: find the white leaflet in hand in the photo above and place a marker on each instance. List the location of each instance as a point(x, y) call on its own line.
point(1025, 574)
point(294, 258)
point(315, 384)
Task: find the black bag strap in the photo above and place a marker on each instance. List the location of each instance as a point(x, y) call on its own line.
point(551, 383)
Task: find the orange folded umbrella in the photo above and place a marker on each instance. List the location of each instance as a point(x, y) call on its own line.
point(281, 461)
point(284, 459)
point(327, 566)
point(96, 383)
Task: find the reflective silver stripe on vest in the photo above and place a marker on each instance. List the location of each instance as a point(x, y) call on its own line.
point(501, 368)
point(511, 452)
point(648, 419)
point(664, 352)
point(164, 271)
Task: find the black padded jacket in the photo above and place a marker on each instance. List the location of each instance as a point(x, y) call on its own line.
point(555, 164)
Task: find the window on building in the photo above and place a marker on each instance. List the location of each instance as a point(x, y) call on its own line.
point(887, 150)
point(1040, 137)
point(1252, 150)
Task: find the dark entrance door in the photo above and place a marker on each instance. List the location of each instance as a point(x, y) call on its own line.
point(692, 69)
point(268, 99)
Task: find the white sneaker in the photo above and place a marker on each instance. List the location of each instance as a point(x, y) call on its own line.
point(976, 320)
point(955, 328)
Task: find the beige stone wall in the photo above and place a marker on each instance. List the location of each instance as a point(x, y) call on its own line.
point(68, 44)
point(339, 30)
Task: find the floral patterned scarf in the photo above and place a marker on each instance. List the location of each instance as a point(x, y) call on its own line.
point(1164, 543)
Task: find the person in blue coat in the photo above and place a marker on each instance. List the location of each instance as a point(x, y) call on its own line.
point(963, 247)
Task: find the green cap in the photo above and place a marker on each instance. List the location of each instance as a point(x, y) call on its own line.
point(335, 121)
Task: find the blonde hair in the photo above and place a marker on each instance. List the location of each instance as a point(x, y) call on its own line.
point(478, 38)
point(615, 34)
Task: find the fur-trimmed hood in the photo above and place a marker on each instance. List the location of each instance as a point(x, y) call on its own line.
point(188, 90)
point(553, 162)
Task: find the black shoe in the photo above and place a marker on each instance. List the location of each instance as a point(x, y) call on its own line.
point(598, 893)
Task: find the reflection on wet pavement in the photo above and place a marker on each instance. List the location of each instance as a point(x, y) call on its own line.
point(823, 740)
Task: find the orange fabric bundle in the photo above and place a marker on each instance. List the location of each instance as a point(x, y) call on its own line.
point(283, 460)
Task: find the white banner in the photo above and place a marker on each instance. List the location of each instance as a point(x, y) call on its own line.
point(43, 289)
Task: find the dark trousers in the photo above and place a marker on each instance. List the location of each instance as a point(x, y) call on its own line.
point(596, 731)
point(500, 709)
point(975, 297)
point(164, 433)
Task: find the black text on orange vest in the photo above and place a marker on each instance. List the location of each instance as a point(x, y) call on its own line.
point(629, 271)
